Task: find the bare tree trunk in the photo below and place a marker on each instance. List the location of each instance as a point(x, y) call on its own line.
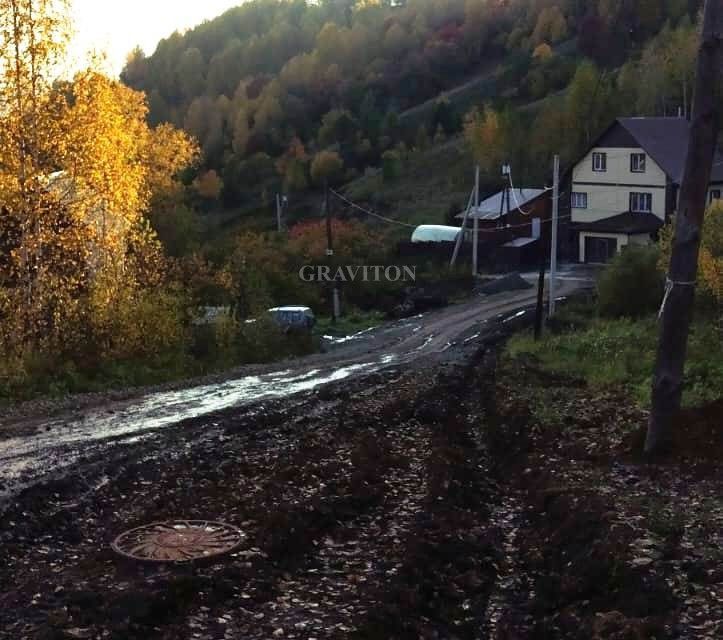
point(17, 37)
point(680, 289)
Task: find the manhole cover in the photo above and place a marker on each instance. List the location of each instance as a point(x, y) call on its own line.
point(178, 541)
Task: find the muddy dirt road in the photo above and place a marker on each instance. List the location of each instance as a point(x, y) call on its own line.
point(33, 447)
point(357, 476)
point(422, 489)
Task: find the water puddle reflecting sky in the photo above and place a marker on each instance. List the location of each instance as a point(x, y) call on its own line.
point(57, 441)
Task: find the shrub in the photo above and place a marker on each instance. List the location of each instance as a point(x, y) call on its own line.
point(213, 344)
point(391, 166)
point(632, 285)
point(575, 315)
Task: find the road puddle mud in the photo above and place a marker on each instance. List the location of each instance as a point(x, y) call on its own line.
point(60, 442)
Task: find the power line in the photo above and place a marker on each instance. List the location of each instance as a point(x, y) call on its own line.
point(519, 226)
point(353, 205)
point(514, 195)
point(411, 226)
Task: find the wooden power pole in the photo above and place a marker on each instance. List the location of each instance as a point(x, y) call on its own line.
point(475, 232)
point(553, 237)
point(336, 303)
point(677, 310)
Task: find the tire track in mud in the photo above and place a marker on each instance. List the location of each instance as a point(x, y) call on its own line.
point(353, 502)
point(368, 493)
point(35, 448)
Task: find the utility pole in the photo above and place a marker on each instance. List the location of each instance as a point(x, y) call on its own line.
point(336, 310)
point(540, 310)
point(278, 213)
point(677, 308)
point(460, 237)
point(505, 201)
point(502, 207)
point(553, 241)
point(475, 240)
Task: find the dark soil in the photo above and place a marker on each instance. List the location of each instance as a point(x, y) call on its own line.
point(611, 546)
point(458, 502)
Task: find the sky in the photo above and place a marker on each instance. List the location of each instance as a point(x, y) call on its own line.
point(116, 27)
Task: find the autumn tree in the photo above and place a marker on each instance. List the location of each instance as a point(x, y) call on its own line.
point(326, 167)
point(710, 259)
point(33, 36)
point(486, 135)
point(292, 166)
point(551, 26)
point(135, 72)
point(337, 126)
point(589, 101)
point(352, 240)
point(80, 169)
point(542, 52)
point(209, 185)
point(204, 122)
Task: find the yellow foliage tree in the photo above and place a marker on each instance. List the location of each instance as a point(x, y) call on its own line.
point(79, 169)
point(711, 252)
point(209, 185)
point(710, 261)
point(542, 52)
point(326, 167)
point(485, 134)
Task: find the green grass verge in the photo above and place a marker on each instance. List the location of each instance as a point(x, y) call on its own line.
point(348, 324)
point(622, 353)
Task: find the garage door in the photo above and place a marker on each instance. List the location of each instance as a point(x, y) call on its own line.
point(600, 250)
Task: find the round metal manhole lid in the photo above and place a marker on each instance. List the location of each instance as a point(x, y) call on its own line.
point(178, 541)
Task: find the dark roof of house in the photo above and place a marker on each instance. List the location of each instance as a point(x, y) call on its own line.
point(665, 140)
point(627, 222)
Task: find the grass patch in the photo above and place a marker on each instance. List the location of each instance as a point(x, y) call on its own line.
point(622, 353)
point(348, 324)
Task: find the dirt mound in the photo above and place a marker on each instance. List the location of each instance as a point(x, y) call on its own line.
point(512, 282)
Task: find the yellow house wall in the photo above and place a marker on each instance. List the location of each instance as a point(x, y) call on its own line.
point(609, 191)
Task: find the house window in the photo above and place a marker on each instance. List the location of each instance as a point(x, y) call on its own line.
point(637, 162)
point(579, 200)
point(641, 202)
point(599, 161)
point(714, 194)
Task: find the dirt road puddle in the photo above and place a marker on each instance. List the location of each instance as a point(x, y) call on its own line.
point(59, 442)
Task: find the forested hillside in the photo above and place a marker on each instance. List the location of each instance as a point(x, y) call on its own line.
point(106, 263)
point(269, 84)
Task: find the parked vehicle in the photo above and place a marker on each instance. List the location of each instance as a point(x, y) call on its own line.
point(293, 318)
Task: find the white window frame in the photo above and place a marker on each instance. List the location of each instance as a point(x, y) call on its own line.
point(638, 163)
point(715, 194)
point(579, 200)
point(638, 201)
point(599, 161)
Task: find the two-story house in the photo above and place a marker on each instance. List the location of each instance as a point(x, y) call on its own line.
point(626, 186)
